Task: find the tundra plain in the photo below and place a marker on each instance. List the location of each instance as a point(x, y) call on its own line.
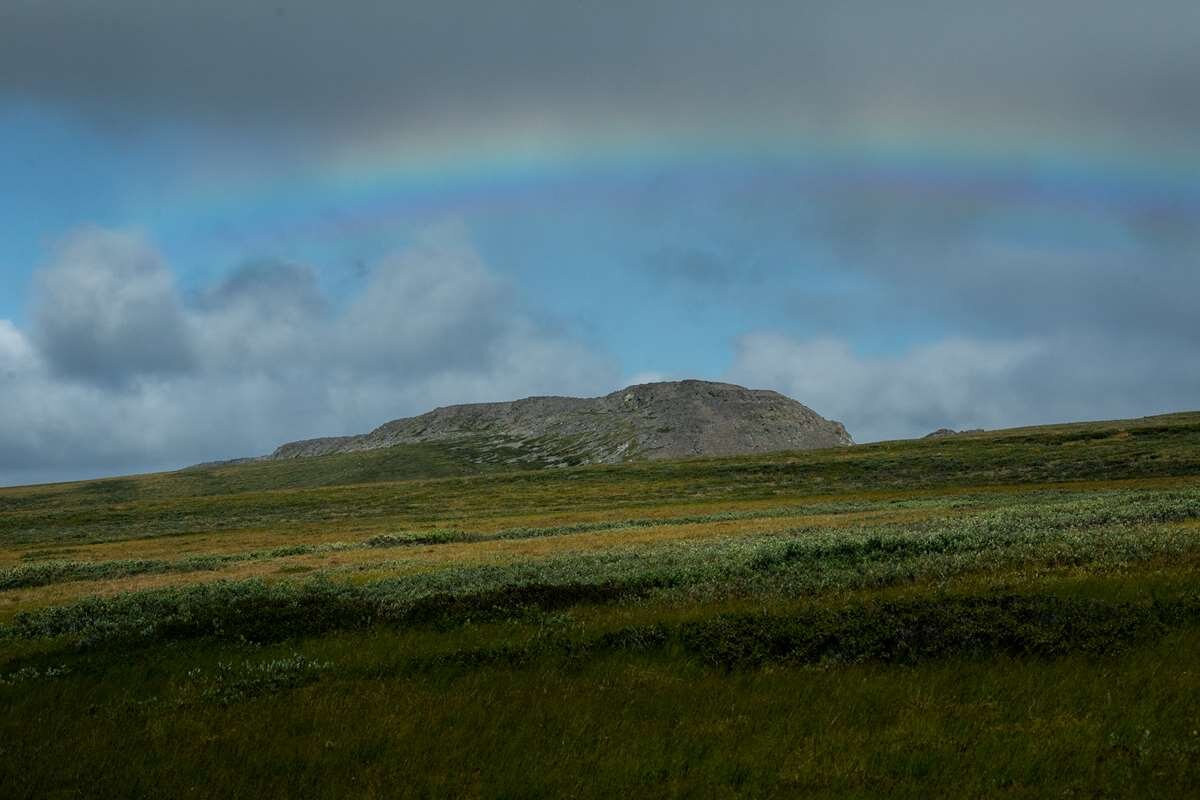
point(1014, 614)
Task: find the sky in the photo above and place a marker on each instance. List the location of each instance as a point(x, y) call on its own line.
point(227, 225)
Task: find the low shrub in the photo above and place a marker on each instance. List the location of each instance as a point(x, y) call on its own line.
point(232, 683)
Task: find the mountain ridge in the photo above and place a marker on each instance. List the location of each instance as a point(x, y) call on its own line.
point(673, 419)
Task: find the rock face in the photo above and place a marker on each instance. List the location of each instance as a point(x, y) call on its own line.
point(941, 432)
point(647, 421)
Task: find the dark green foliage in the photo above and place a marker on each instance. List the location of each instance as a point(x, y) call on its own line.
point(556, 705)
point(231, 682)
point(907, 631)
point(936, 627)
point(420, 537)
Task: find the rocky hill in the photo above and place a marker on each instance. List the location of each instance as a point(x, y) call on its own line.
point(647, 421)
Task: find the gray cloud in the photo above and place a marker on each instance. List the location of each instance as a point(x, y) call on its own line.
point(270, 357)
point(269, 288)
point(705, 268)
point(107, 310)
point(865, 250)
point(454, 307)
point(1009, 270)
point(1097, 66)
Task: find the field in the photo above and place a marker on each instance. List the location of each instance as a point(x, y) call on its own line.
point(1009, 614)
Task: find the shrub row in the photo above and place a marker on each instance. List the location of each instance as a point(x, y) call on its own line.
point(908, 632)
point(803, 561)
point(1127, 508)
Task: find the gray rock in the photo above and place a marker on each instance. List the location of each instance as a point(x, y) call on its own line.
point(647, 421)
point(940, 432)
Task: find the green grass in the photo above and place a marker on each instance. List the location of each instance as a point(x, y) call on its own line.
point(1012, 614)
point(40, 567)
point(334, 488)
point(991, 703)
point(1103, 533)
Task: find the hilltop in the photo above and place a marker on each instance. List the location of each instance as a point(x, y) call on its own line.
point(648, 421)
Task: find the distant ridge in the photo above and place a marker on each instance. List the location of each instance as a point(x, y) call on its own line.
point(941, 433)
point(647, 421)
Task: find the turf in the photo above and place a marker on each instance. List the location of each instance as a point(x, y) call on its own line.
point(1008, 614)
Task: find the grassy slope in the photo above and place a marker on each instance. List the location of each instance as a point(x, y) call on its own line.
point(335, 488)
point(1006, 614)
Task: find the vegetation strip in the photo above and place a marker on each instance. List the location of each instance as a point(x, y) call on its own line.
point(301, 492)
point(1102, 533)
point(1115, 506)
point(47, 572)
point(908, 632)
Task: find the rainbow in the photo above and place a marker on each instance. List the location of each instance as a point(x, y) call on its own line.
point(375, 186)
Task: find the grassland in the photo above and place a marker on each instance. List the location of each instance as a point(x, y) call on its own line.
point(1010, 614)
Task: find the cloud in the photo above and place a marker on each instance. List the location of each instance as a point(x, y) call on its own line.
point(17, 355)
point(969, 383)
point(691, 265)
point(454, 307)
point(269, 289)
point(304, 67)
point(268, 357)
point(107, 310)
point(1010, 272)
point(265, 318)
point(872, 254)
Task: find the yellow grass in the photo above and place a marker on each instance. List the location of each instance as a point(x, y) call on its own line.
point(425, 557)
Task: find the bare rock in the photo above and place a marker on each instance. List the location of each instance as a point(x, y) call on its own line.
point(647, 421)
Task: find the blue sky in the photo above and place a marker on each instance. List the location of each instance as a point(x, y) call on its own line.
point(602, 263)
point(229, 226)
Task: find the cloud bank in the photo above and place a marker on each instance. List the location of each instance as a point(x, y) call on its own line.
point(118, 373)
point(316, 68)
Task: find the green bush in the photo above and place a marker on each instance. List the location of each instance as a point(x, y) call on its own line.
point(232, 683)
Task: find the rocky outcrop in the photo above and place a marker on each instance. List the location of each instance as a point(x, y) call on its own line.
point(940, 432)
point(647, 421)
